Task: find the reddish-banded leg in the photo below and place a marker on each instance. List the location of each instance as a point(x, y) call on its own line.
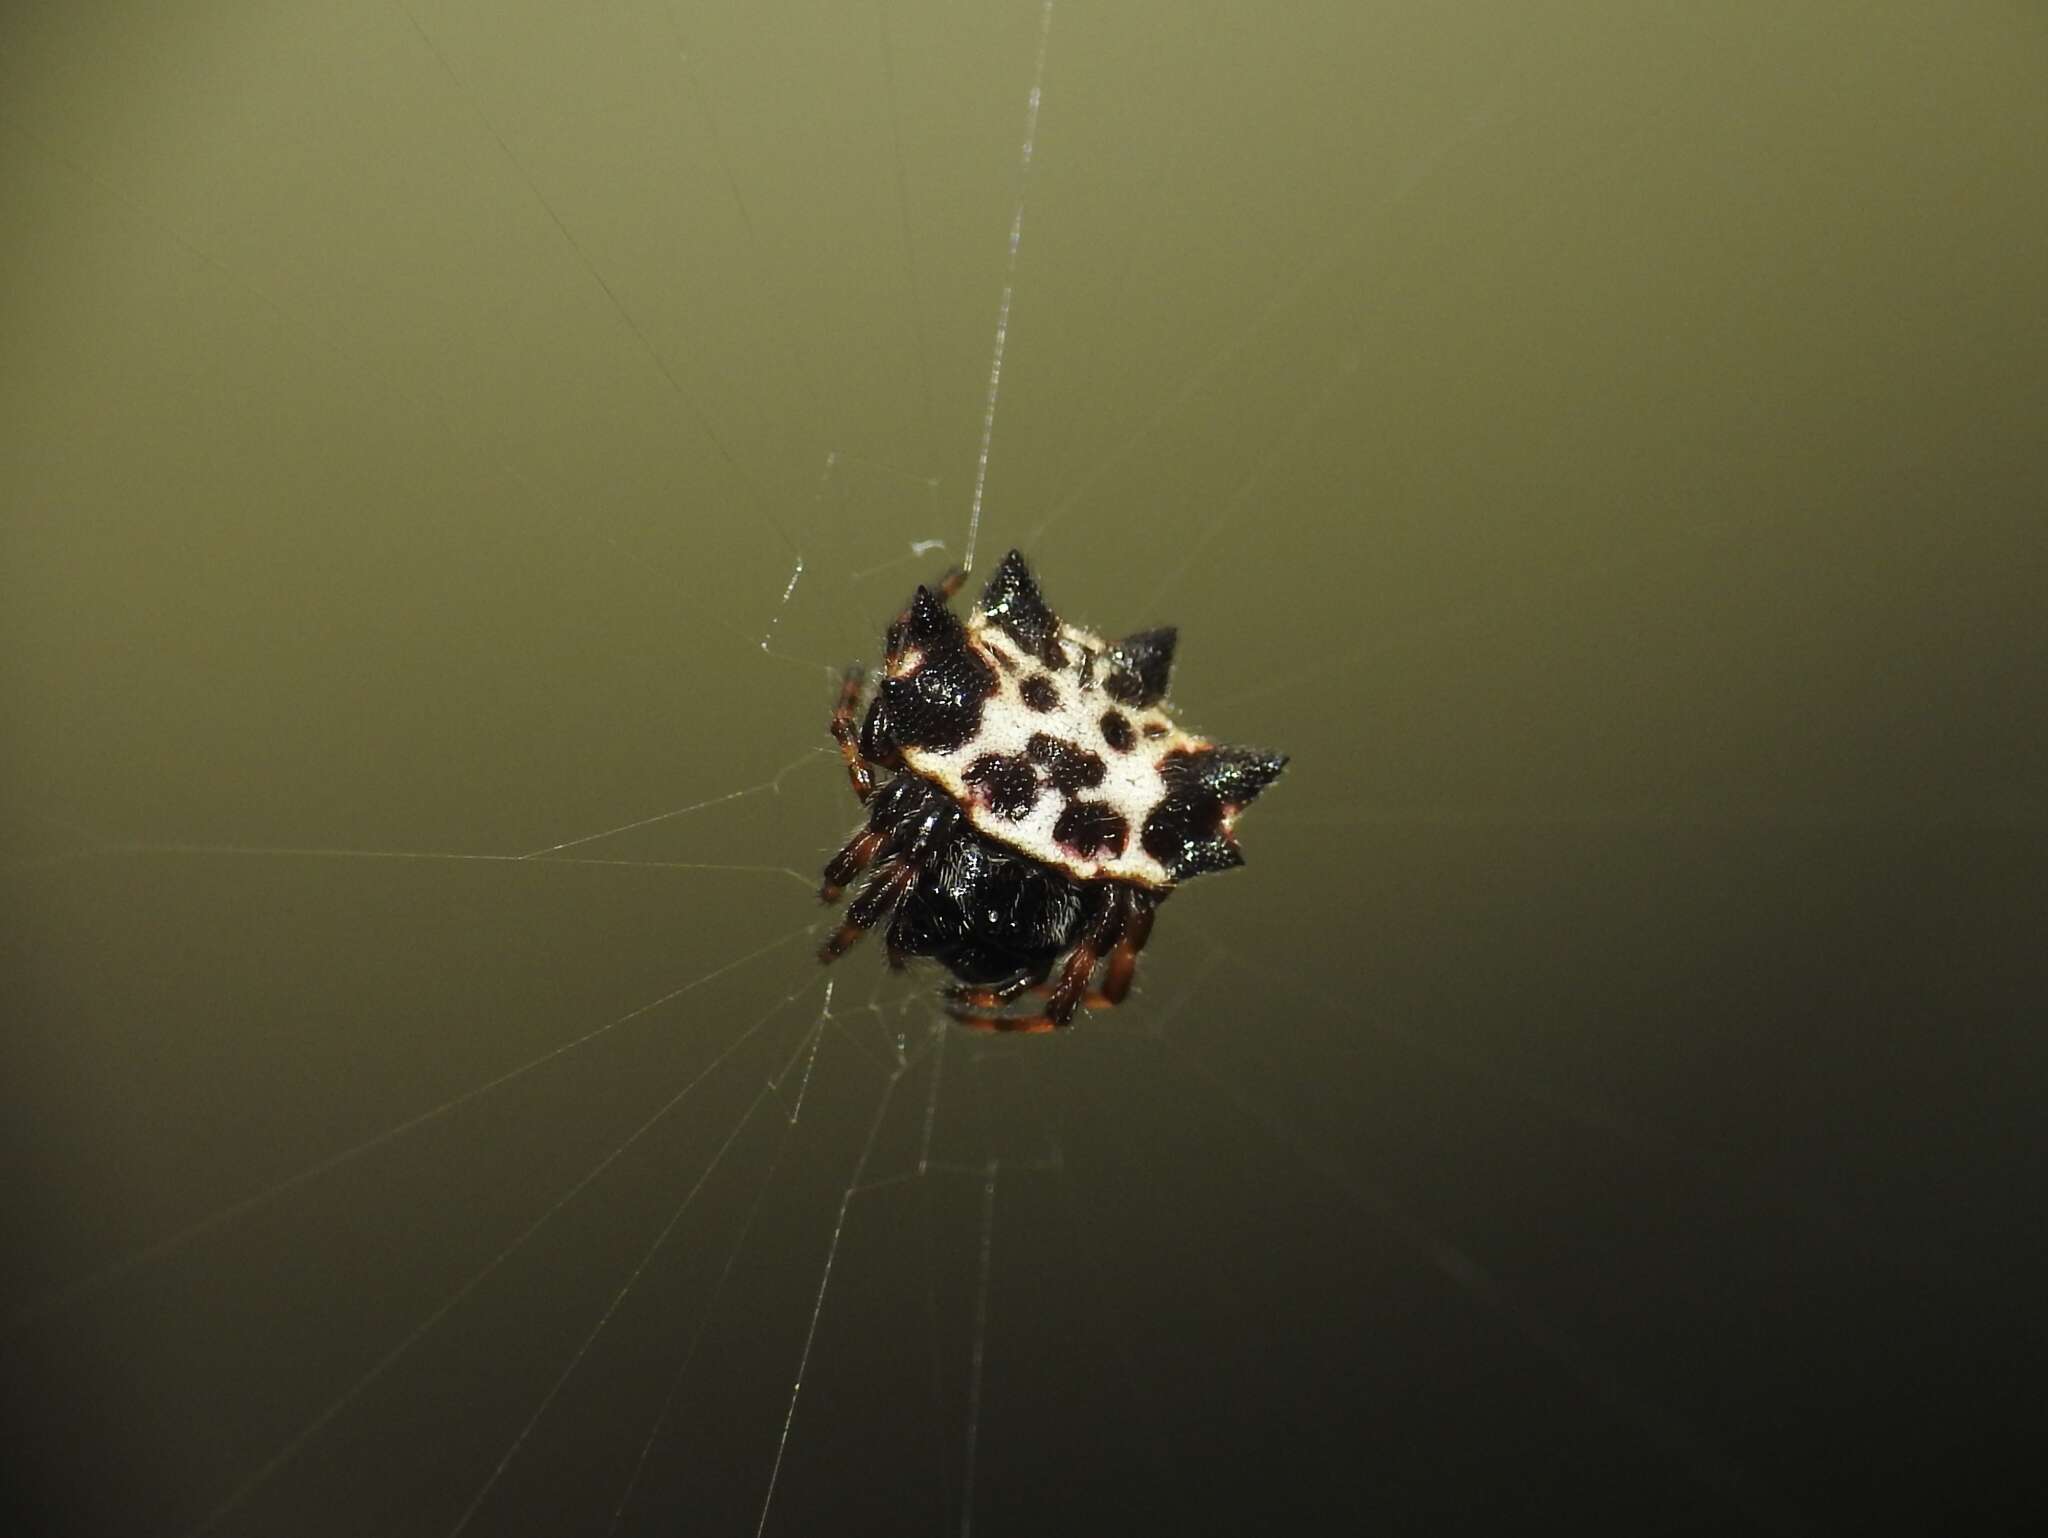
point(990, 996)
point(1029, 1025)
point(847, 734)
point(884, 890)
point(1123, 957)
point(851, 861)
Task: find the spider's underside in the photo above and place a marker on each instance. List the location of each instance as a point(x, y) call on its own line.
point(1030, 804)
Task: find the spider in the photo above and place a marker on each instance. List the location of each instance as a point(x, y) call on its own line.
point(1038, 806)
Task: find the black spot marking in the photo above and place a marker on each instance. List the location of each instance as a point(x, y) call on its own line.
point(1012, 601)
point(1039, 692)
point(1154, 728)
point(1185, 834)
point(1116, 731)
point(937, 706)
point(1008, 786)
point(1089, 827)
point(1004, 660)
point(1071, 767)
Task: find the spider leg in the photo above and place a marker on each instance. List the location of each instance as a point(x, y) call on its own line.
point(884, 889)
point(1103, 933)
point(949, 581)
point(993, 996)
point(1029, 1025)
point(847, 734)
point(901, 843)
point(858, 853)
point(1123, 957)
point(981, 1009)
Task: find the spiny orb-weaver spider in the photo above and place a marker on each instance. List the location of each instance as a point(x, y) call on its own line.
point(1040, 803)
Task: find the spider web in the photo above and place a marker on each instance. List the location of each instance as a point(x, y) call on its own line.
point(468, 442)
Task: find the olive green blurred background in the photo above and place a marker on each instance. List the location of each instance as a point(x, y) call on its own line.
point(1600, 442)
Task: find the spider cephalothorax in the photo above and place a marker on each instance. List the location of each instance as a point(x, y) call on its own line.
point(1041, 802)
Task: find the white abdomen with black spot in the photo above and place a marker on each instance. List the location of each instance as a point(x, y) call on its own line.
point(1059, 769)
